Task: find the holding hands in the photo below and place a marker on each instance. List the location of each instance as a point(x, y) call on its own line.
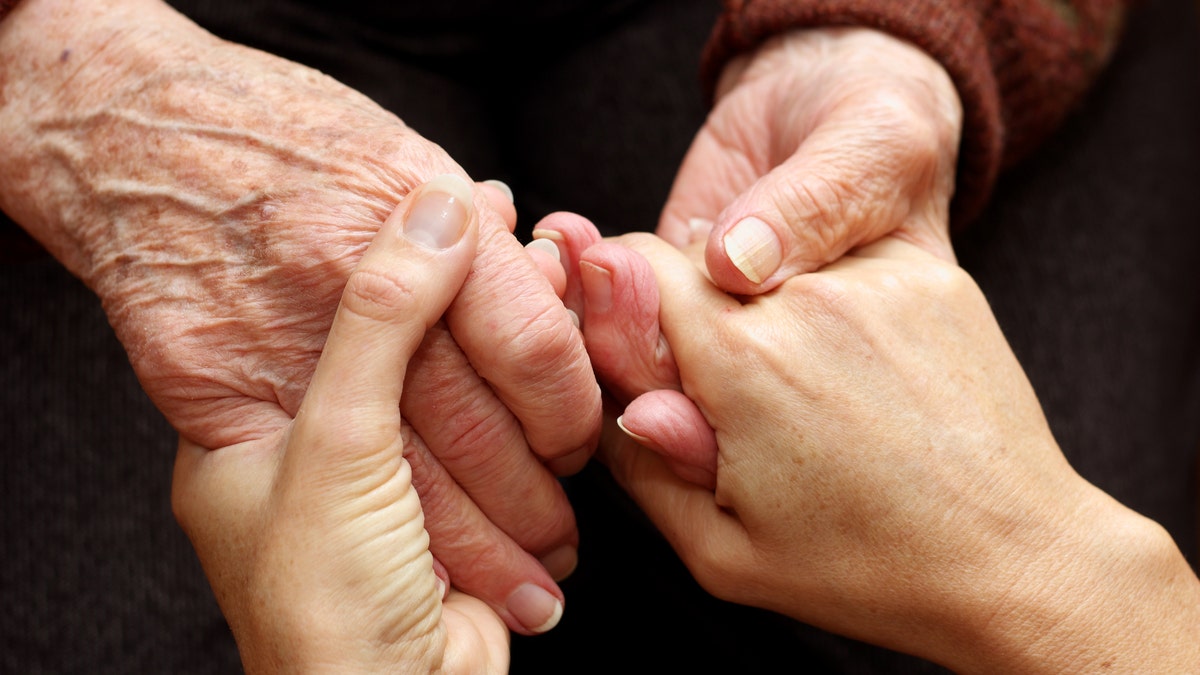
point(313, 538)
point(216, 198)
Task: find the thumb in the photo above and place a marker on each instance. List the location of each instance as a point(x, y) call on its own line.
point(405, 281)
point(845, 186)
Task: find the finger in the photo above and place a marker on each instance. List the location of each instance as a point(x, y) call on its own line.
point(520, 338)
point(692, 311)
point(687, 515)
point(404, 282)
point(620, 319)
point(670, 424)
point(545, 255)
point(500, 197)
point(482, 560)
point(859, 176)
point(572, 234)
point(480, 444)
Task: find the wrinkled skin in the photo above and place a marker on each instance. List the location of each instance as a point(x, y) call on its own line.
point(216, 199)
point(312, 537)
point(829, 139)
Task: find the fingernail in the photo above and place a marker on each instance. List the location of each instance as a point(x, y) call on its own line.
point(439, 217)
point(560, 563)
point(754, 249)
point(535, 608)
point(501, 186)
point(597, 287)
point(637, 437)
point(552, 235)
point(547, 246)
point(574, 317)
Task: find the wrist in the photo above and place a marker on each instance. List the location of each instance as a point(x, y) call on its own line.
point(1084, 589)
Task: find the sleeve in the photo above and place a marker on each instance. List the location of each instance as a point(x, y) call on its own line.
point(1020, 66)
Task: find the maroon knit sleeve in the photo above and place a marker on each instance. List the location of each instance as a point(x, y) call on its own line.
point(6, 7)
point(1019, 65)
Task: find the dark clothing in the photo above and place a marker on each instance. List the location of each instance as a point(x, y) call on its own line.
point(1089, 254)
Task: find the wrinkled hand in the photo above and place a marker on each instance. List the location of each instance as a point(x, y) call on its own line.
point(216, 198)
point(820, 141)
point(312, 537)
point(884, 471)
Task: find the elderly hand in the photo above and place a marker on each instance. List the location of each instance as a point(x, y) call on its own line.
point(884, 471)
point(820, 141)
point(312, 536)
point(216, 198)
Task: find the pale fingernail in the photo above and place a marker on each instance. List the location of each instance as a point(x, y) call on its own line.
point(754, 249)
point(560, 563)
point(547, 246)
point(597, 287)
point(535, 608)
point(552, 235)
point(501, 186)
point(439, 217)
point(637, 437)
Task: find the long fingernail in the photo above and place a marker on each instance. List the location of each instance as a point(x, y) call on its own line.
point(597, 287)
point(754, 249)
point(535, 608)
point(561, 562)
point(501, 186)
point(439, 217)
point(637, 437)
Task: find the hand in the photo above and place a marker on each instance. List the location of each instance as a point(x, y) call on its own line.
point(216, 199)
point(820, 141)
point(312, 537)
point(885, 472)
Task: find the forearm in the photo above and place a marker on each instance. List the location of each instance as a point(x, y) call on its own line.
point(1020, 66)
point(63, 63)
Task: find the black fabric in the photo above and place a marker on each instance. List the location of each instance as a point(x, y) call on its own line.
point(1089, 255)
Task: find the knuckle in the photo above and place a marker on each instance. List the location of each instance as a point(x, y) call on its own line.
point(819, 211)
point(378, 294)
point(472, 435)
point(921, 142)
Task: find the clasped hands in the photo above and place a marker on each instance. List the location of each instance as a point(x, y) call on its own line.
point(313, 535)
point(316, 530)
point(221, 235)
